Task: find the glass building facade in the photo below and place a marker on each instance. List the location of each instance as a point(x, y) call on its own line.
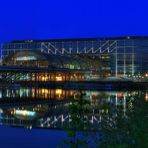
point(117, 56)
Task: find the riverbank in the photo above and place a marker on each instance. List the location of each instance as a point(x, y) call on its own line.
point(81, 85)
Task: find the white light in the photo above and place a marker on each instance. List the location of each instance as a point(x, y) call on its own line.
point(26, 58)
point(25, 113)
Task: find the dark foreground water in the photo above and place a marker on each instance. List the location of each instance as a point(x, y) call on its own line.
point(24, 138)
point(44, 118)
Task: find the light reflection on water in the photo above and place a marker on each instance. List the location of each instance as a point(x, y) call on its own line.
point(38, 93)
point(57, 115)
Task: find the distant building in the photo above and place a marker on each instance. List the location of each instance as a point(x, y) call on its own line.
point(117, 56)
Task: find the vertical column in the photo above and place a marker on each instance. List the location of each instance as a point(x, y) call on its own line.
point(92, 47)
point(116, 101)
point(62, 48)
point(1, 48)
point(34, 79)
point(85, 47)
point(37, 76)
point(77, 48)
point(133, 57)
point(116, 56)
point(124, 60)
point(124, 104)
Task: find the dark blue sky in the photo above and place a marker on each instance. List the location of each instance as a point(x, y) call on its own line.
point(44, 19)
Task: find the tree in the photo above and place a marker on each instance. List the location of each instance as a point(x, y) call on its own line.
point(130, 130)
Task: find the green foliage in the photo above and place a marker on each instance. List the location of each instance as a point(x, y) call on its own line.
point(130, 130)
point(124, 130)
point(77, 109)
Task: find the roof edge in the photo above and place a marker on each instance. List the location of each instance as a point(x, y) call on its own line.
point(83, 39)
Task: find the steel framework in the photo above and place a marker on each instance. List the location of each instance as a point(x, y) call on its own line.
point(68, 47)
point(121, 49)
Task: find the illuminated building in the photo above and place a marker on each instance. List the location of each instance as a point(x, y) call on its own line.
point(125, 57)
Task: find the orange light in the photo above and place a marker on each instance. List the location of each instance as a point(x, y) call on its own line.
point(43, 78)
point(46, 91)
point(58, 91)
point(59, 78)
point(146, 97)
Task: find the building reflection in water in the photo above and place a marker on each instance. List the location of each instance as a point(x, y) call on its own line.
point(41, 93)
point(146, 96)
point(57, 115)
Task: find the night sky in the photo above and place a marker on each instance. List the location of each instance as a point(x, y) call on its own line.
point(45, 19)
